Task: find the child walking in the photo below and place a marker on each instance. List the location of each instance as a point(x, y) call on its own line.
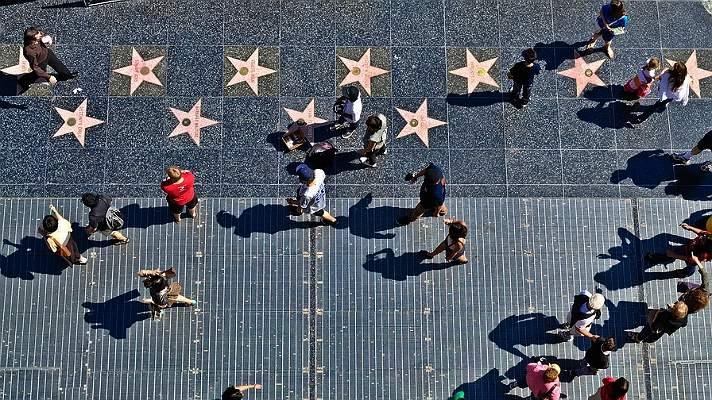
point(522, 74)
point(642, 83)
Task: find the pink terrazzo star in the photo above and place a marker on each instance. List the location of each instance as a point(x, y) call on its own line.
point(22, 67)
point(249, 71)
point(418, 122)
point(76, 122)
point(191, 122)
point(307, 115)
point(695, 73)
point(361, 71)
point(140, 70)
point(476, 72)
point(584, 73)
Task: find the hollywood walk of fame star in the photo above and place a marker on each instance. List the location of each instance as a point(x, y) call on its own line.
point(249, 71)
point(476, 72)
point(361, 71)
point(140, 70)
point(191, 122)
point(418, 122)
point(76, 122)
point(22, 67)
point(695, 73)
point(307, 115)
point(584, 73)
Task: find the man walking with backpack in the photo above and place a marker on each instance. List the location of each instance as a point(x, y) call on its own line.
point(584, 311)
point(104, 218)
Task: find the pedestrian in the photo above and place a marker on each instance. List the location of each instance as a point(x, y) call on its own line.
point(375, 139)
point(543, 380)
point(661, 321)
point(163, 293)
point(179, 187)
point(432, 194)
point(348, 110)
point(597, 357)
point(699, 247)
point(674, 86)
point(57, 233)
point(612, 21)
point(40, 56)
point(642, 83)
point(104, 218)
point(585, 309)
point(696, 296)
point(296, 134)
point(311, 196)
point(522, 76)
point(704, 144)
point(454, 243)
point(612, 389)
point(235, 392)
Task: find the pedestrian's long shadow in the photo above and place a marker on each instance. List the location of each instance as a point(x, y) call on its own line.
point(488, 386)
point(524, 330)
point(477, 99)
point(691, 183)
point(136, 216)
point(368, 222)
point(262, 218)
point(30, 257)
point(630, 271)
point(555, 53)
point(116, 315)
point(399, 268)
point(647, 169)
point(622, 317)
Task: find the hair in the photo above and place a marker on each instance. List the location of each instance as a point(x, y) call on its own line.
point(617, 9)
point(678, 73)
point(173, 172)
point(609, 344)
point(50, 223)
point(696, 299)
point(653, 63)
point(29, 36)
point(232, 393)
point(151, 280)
point(679, 310)
point(529, 55)
point(374, 122)
point(457, 230)
point(89, 199)
point(619, 388)
point(550, 375)
point(352, 93)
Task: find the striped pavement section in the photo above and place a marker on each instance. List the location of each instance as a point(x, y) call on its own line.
point(315, 312)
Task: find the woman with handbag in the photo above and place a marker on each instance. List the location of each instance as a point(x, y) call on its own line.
point(612, 21)
point(57, 233)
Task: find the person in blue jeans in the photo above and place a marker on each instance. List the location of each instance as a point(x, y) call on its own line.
point(612, 21)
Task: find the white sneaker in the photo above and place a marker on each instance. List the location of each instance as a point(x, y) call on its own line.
point(364, 161)
point(83, 260)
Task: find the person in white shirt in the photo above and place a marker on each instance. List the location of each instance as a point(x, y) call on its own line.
point(57, 233)
point(350, 114)
point(375, 140)
point(674, 86)
point(311, 196)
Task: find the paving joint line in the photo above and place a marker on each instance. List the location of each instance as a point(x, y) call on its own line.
point(312, 313)
point(641, 297)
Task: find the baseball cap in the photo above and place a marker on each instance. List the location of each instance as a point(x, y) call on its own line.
point(596, 301)
point(305, 173)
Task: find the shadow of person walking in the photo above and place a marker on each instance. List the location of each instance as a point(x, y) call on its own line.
point(646, 169)
point(622, 317)
point(489, 386)
point(262, 218)
point(118, 314)
point(368, 222)
point(30, 257)
point(136, 216)
point(399, 268)
point(524, 330)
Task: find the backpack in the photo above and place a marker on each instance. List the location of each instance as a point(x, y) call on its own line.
point(114, 218)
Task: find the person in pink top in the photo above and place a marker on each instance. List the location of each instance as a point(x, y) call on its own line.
point(612, 389)
point(543, 380)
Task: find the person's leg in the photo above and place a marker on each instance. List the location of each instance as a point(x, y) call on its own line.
point(326, 217)
point(417, 212)
point(441, 247)
point(514, 94)
point(192, 207)
point(63, 73)
point(526, 94)
point(592, 41)
point(608, 48)
point(175, 210)
point(180, 299)
point(461, 260)
point(75, 257)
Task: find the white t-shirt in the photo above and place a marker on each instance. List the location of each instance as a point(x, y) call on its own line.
point(312, 198)
point(380, 135)
point(353, 109)
point(682, 94)
point(61, 235)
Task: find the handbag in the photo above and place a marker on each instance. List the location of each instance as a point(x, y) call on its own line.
point(61, 249)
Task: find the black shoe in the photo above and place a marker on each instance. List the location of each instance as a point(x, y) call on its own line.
point(72, 75)
point(402, 221)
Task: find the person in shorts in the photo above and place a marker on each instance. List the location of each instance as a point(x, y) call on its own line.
point(99, 207)
point(432, 194)
point(454, 243)
point(179, 187)
point(375, 140)
point(697, 250)
point(311, 195)
point(704, 144)
point(585, 309)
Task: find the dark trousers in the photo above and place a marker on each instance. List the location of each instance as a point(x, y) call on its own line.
point(372, 154)
point(524, 88)
point(649, 335)
point(63, 72)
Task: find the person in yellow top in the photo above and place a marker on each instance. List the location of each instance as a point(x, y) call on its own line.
point(57, 233)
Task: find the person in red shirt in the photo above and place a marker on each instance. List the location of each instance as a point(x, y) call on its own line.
point(179, 187)
point(612, 389)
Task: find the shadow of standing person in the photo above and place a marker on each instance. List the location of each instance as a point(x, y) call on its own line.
point(117, 314)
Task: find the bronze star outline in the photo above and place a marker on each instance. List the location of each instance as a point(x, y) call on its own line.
point(249, 71)
point(476, 72)
point(361, 71)
point(308, 115)
point(140, 70)
point(418, 122)
point(584, 73)
point(191, 122)
point(76, 122)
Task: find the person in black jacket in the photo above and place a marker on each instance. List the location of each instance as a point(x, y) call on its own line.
point(662, 321)
point(522, 75)
point(597, 357)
